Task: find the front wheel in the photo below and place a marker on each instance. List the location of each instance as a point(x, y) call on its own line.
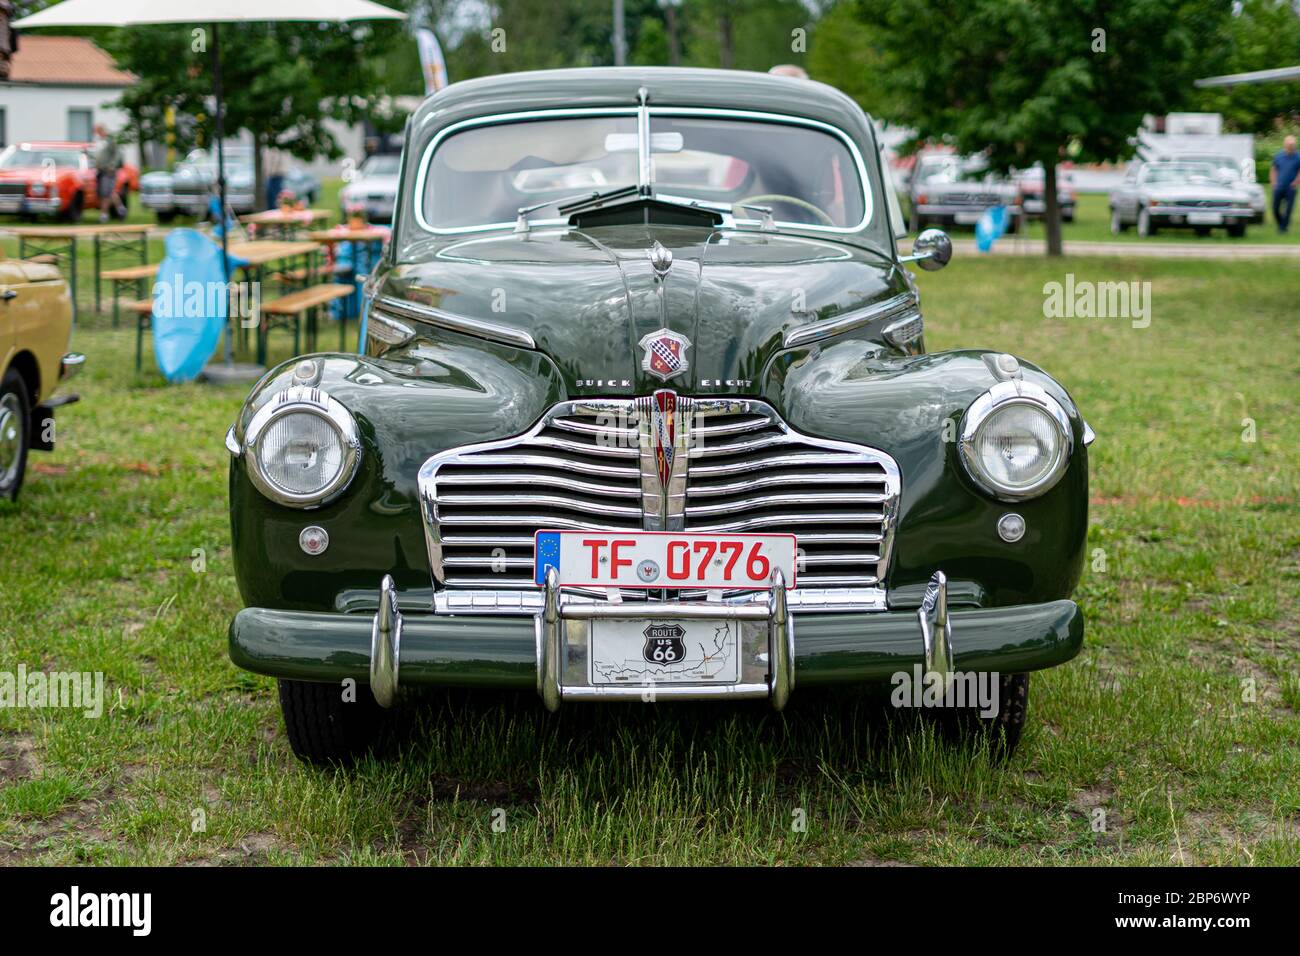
point(1002, 730)
point(1237, 231)
point(1146, 227)
point(15, 417)
point(165, 216)
point(75, 207)
point(326, 727)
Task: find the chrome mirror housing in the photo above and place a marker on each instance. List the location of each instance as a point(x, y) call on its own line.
point(932, 250)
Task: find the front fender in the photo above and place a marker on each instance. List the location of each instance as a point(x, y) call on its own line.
point(409, 405)
point(912, 409)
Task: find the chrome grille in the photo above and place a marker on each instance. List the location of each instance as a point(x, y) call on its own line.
point(589, 465)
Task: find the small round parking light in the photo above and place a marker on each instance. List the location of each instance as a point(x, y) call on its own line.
point(313, 540)
point(1011, 527)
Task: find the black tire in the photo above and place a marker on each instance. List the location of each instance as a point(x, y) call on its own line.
point(1237, 231)
point(75, 208)
point(15, 420)
point(1002, 730)
point(165, 217)
point(322, 727)
point(1201, 230)
point(1146, 226)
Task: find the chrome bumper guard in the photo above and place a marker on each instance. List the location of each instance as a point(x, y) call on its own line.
point(563, 634)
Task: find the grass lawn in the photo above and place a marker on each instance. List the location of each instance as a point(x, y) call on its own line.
point(1172, 738)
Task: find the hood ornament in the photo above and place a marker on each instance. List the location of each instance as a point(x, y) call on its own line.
point(661, 259)
point(665, 354)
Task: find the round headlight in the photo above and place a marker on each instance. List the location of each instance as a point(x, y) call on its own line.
point(1016, 440)
point(302, 448)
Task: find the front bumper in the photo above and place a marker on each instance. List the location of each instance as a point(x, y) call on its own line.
point(30, 205)
point(1181, 215)
point(547, 651)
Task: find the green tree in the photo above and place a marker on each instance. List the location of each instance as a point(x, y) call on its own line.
point(844, 53)
point(1025, 82)
point(1265, 34)
point(282, 81)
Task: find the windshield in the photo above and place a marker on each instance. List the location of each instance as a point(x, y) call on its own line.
point(1180, 173)
point(18, 156)
point(380, 166)
point(484, 175)
point(1223, 165)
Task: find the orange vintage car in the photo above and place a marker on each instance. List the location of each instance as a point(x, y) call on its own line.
point(55, 179)
point(35, 323)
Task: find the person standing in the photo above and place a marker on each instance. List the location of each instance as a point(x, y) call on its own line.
point(108, 158)
point(1284, 177)
point(276, 164)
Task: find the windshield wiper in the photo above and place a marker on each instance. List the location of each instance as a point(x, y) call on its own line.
point(568, 204)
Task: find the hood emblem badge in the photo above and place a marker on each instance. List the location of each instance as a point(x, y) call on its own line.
point(661, 259)
point(665, 354)
point(663, 417)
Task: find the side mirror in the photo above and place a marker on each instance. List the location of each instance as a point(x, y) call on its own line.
point(932, 250)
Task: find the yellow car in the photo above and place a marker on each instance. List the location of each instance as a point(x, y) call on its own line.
point(35, 322)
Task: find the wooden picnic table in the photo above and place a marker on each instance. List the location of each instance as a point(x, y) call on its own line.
point(259, 253)
point(61, 243)
point(285, 222)
point(252, 256)
point(332, 237)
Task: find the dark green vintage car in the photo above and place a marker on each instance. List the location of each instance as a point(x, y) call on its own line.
point(644, 413)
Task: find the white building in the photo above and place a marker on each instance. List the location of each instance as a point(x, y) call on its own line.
point(59, 88)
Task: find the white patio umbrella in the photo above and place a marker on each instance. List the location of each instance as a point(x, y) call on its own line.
point(126, 13)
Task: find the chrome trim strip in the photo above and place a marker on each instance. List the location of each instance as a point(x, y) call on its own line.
point(232, 443)
point(422, 174)
point(464, 324)
point(814, 331)
point(1089, 436)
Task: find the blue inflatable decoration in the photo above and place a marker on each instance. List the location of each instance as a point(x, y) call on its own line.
point(990, 227)
point(190, 304)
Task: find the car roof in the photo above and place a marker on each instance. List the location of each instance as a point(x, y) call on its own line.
point(51, 144)
point(608, 86)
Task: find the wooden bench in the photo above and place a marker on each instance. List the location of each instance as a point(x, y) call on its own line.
point(296, 306)
point(136, 274)
point(143, 309)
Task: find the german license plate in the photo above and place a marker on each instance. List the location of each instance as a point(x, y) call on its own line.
point(966, 218)
point(664, 559)
point(1205, 218)
point(664, 652)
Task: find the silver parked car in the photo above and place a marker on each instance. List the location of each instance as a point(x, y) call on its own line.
point(188, 190)
point(1178, 194)
point(374, 188)
point(1238, 173)
point(951, 190)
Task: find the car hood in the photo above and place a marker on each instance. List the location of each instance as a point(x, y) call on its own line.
point(1175, 192)
point(373, 184)
point(589, 298)
point(23, 174)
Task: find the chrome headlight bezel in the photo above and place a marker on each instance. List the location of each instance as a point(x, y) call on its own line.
point(1001, 395)
point(314, 401)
